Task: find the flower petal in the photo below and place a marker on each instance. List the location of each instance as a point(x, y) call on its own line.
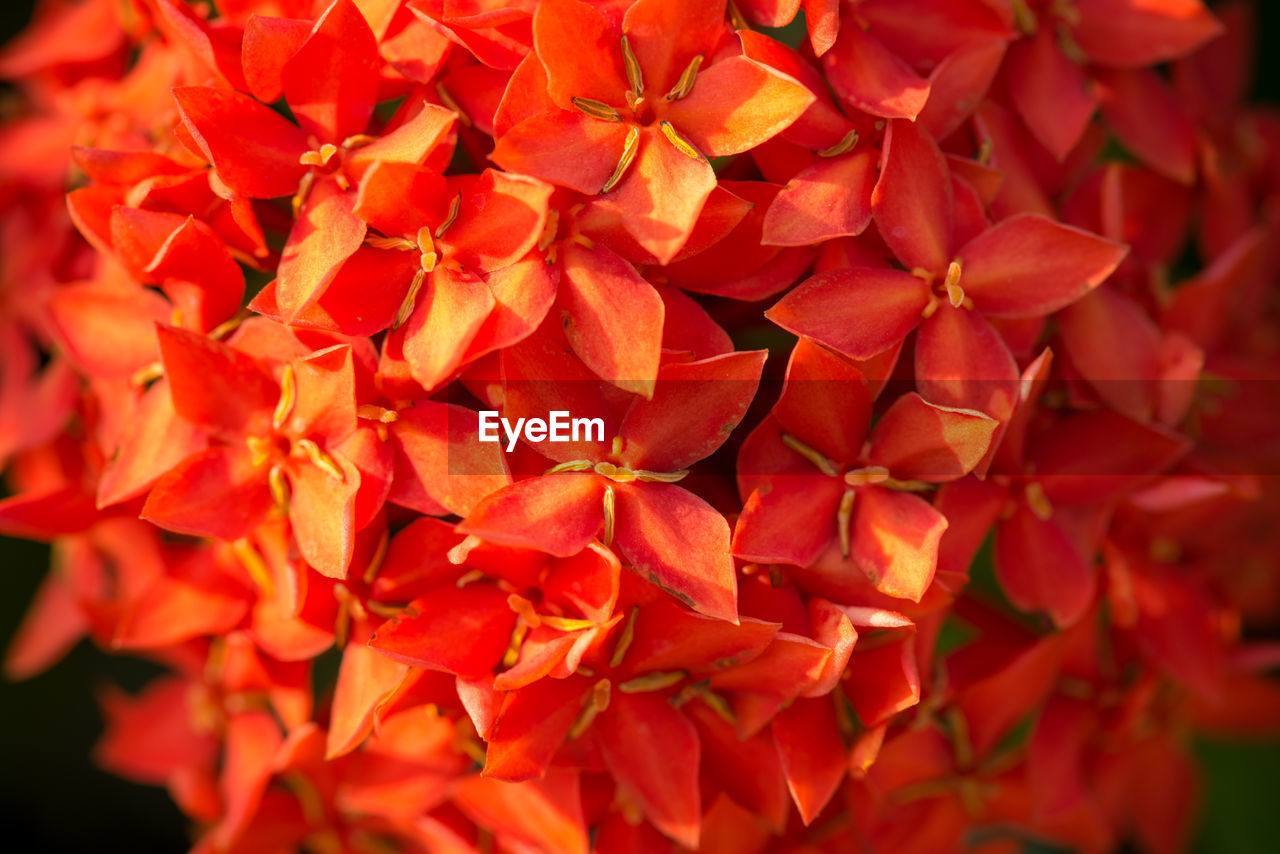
point(558, 514)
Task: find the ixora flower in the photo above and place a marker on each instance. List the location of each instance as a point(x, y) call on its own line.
point(925, 351)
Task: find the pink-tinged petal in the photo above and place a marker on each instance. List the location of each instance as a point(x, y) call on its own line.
point(366, 681)
point(830, 199)
point(325, 397)
point(545, 814)
point(867, 76)
point(440, 460)
point(653, 752)
point(322, 514)
point(1050, 91)
point(559, 514)
point(106, 330)
point(157, 441)
point(1040, 568)
point(666, 35)
point(958, 85)
point(461, 630)
point(262, 165)
point(1116, 348)
point(680, 543)
point(215, 386)
point(895, 540)
point(269, 44)
point(580, 52)
point(1027, 265)
point(813, 753)
point(331, 83)
point(737, 104)
point(858, 312)
point(790, 520)
point(917, 440)
point(532, 724)
point(662, 194)
point(500, 219)
point(326, 233)
point(825, 402)
point(962, 361)
point(913, 201)
point(832, 628)
point(822, 125)
point(215, 493)
point(612, 317)
point(1148, 118)
point(566, 148)
point(451, 309)
point(694, 408)
point(1134, 33)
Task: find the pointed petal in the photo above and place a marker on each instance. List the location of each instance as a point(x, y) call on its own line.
point(1051, 92)
point(867, 76)
point(825, 402)
point(215, 386)
point(1027, 265)
point(858, 312)
point(440, 460)
point(1130, 33)
point(499, 220)
point(917, 440)
point(1040, 569)
point(581, 53)
point(326, 233)
point(680, 543)
point(666, 35)
point(331, 83)
point(532, 724)
point(460, 630)
point(913, 201)
point(959, 83)
point(558, 514)
point(668, 636)
point(215, 493)
point(813, 754)
point(962, 361)
point(1150, 120)
point(566, 148)
point(268, 45)
point(895, 541)
point(322, 514)
point(662, 195)
point(790, 520)
point(653, 752)
point(736, 104)
point(261, 166)
point(830, 199)
point(451, 309)
point(157, 441)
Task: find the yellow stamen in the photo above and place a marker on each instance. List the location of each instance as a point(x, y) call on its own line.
point(359, 140)
point(824, 465)
point(455, 205)
point(565, 624)
point(844, 146)
point(467, 578)
point(844, 519)
point(652, 682)
point(735, 17)
point(615, 447)
point(866, 476)
point(609, 505)
point(512, 655)
point(147, 374)
point(687, 78)
point(597, 109)
point(1023, 18)
point(261, 449)
point(634, 77)
point(624, 639)
point(370, 412)
point(288, 396)
point(319, 458)
point(255, 565)
point(375, 562)
point(682, 145)
point(321, 157)
point(1038, 501)
point(406, 307)
point(400, 243)
point(304, 190)
point(624, 162)
point(595, 704)
point(279, 485)
point(549, 230)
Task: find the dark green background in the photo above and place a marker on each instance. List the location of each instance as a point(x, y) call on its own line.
point(53, 800)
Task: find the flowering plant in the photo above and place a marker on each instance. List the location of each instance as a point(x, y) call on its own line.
point(923, 350)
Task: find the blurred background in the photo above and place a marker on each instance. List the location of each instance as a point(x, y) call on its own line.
point(53, 799)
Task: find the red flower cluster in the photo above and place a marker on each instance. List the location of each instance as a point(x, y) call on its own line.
point(260, 280)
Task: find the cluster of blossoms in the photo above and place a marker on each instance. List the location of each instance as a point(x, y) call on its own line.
point(265, 262)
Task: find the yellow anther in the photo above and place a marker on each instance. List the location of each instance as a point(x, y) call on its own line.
point(609, 505)
point(1038, 501)
point(549, 230)
point(279, 484)
point(930, 307)
point(700, 691)
point(622, 474)
point(687, 78)
point(617, 474)
point(866, 476)
point(844, 146)
point(406, 307)
point(401, 243)
point(321, 157)
point(597, 109)
point(1024, 19)
point(370, 412)
point(468, 577)
point(1070, 47)
point(222, 330)
point(629, 150)
point(255, 565)
point(624, 639)
point(596, 703)
point(304, 191)
point(375, 562)
point(288, 396)
point(319, 458)
point(147, 374)
point(615, 447)
point(984, 151)
point(735, 17)
point(359, 140)
point(261, 448)
point(572, 465)
point(524, 610)
point(583, 241)
point(824, 465)
point(447, 100)
point(634, 77)
point(566, 624)
point(455, 205)
point(844, 520)
point(954, 271)
point(652, 682)
point(682, 145)
point(512, 655)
